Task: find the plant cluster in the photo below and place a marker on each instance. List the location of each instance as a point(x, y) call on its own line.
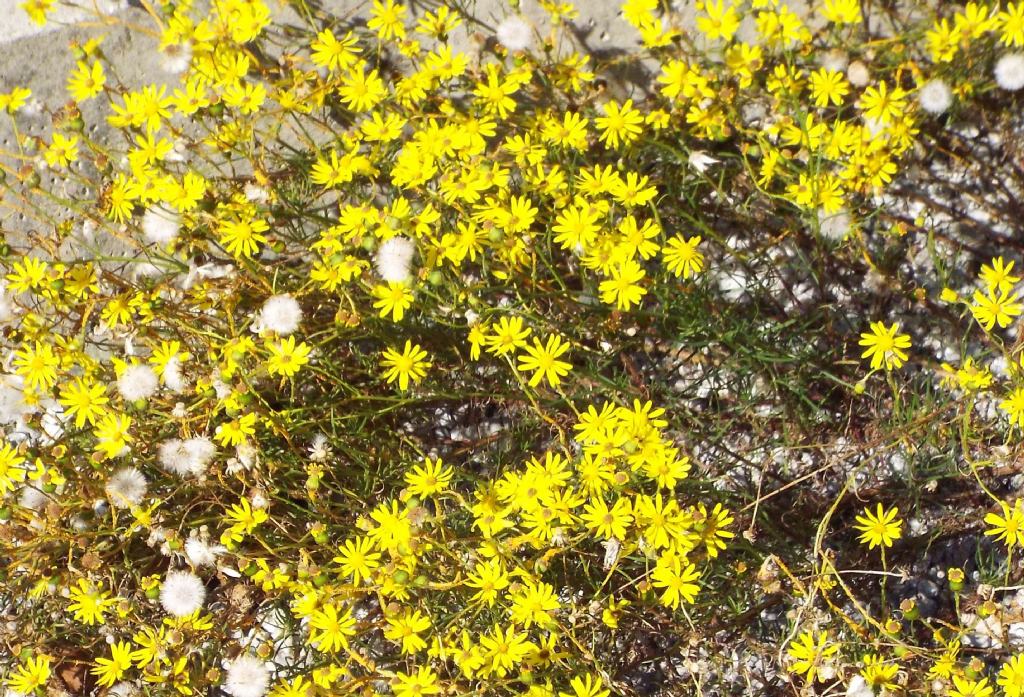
point(344, 363)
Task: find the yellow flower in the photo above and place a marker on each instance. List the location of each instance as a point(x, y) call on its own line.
point(244, 517)
point(543, 360)
point(623, 288)
point(112, 437)
point(1011, 29)
point(38, 365)
point(30, 675)
point(386, 19)
point(682, 257)
point(518, 216)
point(86, 82)
point(880, 674)
point(411, 364)
point(329, 630)
point(11, 469)
point(37, 10)
point(965, 687)
point(300, 686)
point(505, 649)
point(880, 528)
point(286, 357)
point(884, 346)
point(333, 171)
point(506, 336)
point(533, 604)
point(620, 124)
point(808, 653)
point(393, 299)
point(84, 400)
point(997, 276)
point(638, 12)
point(246, 97)
point(406, 629)
point(430, 479)
point(88, 603)
point(242, 238)
point(828, 87)
point(421, 682)
point(608, 522)
point(110, 670)
point(586, 686)
point(193, 98)
point(62, 151)
point(943, 41)
point(487, 578)
point(676, 576)
point(361, 90)
point(357, 559)
point(718, 21)
point(995, 309)
point(841, 11)
point(882, 104)
point(1011, 677)
point(1008, 527)
point(234, 432)
point(1014, 406)
point(610, 615)
point(15, 99)
point(120, 198)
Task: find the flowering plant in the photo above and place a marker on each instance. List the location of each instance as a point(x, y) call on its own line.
point(415, 355)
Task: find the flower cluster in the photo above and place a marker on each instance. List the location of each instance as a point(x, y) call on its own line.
point(347, 363)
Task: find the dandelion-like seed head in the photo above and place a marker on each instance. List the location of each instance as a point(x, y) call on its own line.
point(182, 593)
point(137, 382)
point(247, 676)
point(394, 259)
point(1009, 71)
point(514, 33)
point(126, 488)
point(935, 97)
point(280, 314)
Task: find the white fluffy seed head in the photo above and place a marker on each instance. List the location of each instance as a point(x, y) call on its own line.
point(172, 376)
point(514, 33)
point(201, 553)
point(247, 676)
point(126, 488)
point(182, 593)
point(394, 258)
point(1009, 71)
point(175, 58)
point(858, 74)
point(935, 96)
point(160, 225)
point(280, 314)
point(137, 382)
point(186, 458)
